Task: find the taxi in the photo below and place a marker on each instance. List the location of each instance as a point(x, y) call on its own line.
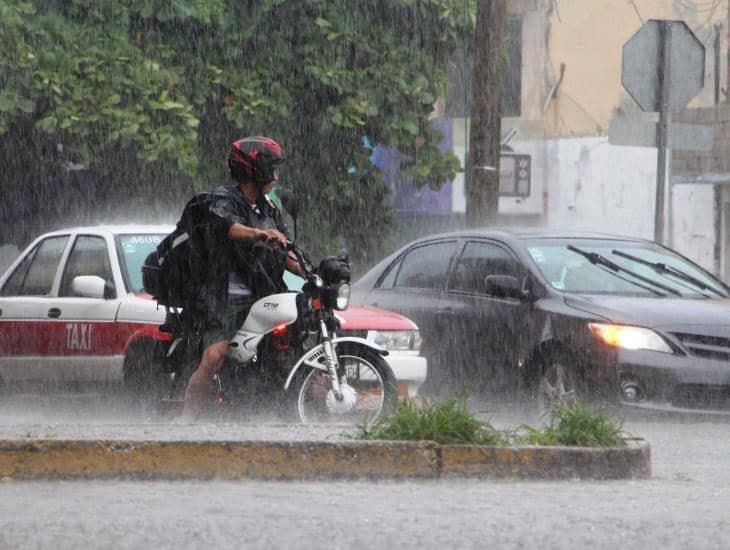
point(73, 312)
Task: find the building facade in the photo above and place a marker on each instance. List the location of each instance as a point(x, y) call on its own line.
point(563, 91)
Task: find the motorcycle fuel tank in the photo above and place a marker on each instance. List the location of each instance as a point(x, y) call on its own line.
point(266, 314)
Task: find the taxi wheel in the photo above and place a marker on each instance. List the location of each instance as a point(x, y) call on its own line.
point(145, 381)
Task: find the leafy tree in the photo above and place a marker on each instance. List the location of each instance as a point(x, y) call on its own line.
point(147, 94)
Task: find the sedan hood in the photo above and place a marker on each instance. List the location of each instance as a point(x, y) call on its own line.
point(662, 313)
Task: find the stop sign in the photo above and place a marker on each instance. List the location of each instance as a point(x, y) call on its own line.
point(641, 69)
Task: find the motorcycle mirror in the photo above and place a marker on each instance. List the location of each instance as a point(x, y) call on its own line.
point(289, 202)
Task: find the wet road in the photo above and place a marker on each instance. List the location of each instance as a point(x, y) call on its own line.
point(686, 504)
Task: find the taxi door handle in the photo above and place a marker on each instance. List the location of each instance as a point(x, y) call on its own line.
point(54, 313)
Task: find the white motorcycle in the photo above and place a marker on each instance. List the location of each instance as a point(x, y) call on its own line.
point(287, 354)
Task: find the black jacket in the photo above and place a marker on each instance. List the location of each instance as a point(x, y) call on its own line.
point(259, 266)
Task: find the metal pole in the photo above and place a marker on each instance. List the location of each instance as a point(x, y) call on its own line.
point(716, 189)
point(467, 89)
point(716, 52)
point(727, 53)
point(665, 32)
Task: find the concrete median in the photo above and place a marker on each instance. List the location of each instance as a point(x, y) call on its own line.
point(303, 460)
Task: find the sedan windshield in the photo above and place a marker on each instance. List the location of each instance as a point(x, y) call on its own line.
point(595, 266)
point(133, 249)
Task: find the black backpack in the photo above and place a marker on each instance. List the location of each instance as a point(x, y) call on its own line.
point(174, 273)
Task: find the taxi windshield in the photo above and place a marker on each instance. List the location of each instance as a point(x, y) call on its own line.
point(621, 267)
point(133, 249)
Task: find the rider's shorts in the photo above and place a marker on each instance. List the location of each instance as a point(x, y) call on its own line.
point(224, 327)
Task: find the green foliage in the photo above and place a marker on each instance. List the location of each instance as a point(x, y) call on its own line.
point(447, 423)
point(91, 88)
point(575, 424)
point(159, 88)
point(450, 422)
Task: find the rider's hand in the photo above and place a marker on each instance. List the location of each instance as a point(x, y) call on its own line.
point(274, 237)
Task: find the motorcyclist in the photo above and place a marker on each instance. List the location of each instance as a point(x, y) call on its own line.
point(250, 263)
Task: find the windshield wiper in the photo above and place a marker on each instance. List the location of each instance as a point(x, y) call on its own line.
point(597, 259)
point(660, 267)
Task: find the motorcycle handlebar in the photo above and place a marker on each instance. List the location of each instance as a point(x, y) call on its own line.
point(303, 263)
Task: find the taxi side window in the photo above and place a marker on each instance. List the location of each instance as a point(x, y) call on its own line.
point(89, 256)
point(34, 275)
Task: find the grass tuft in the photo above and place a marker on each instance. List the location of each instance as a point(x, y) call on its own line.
point(450, 422)
point(576, 424)
point(446, 423)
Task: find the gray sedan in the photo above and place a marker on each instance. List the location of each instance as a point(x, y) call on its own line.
point(557, 314)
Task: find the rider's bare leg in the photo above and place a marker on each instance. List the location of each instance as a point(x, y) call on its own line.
point(198, 389)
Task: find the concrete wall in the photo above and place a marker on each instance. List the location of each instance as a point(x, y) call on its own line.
point(715, 163)
point(694, 223)
point(595, 186)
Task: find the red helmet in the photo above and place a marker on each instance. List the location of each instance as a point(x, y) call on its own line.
point(254, 159)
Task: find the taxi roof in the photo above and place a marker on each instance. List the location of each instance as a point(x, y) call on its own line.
point(115, 229)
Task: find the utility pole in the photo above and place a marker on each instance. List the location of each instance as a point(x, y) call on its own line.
point(486, 114)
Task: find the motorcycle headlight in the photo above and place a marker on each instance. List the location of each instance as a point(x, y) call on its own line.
point(343, 296)
point(628, 337)
point(397, 340)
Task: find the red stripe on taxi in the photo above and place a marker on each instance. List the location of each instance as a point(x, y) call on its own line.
point(68, 338)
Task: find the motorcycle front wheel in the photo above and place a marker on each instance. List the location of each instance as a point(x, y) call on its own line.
point(369, 390)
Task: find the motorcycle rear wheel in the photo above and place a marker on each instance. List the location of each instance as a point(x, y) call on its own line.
point(369, 392)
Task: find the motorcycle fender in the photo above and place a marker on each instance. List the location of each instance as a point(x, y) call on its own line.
point(310, 358)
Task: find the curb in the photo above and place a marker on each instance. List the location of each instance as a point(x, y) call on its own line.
point(235, 460)
point(630, 462)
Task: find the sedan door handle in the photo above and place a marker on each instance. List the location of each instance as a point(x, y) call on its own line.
point(445, 311)
point(54, 313)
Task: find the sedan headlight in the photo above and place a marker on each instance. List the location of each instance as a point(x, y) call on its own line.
point(397, 340)
point(628, 337)
point(343, 296)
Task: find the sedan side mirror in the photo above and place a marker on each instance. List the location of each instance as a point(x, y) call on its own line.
point(92, 286)
point(505, 286)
